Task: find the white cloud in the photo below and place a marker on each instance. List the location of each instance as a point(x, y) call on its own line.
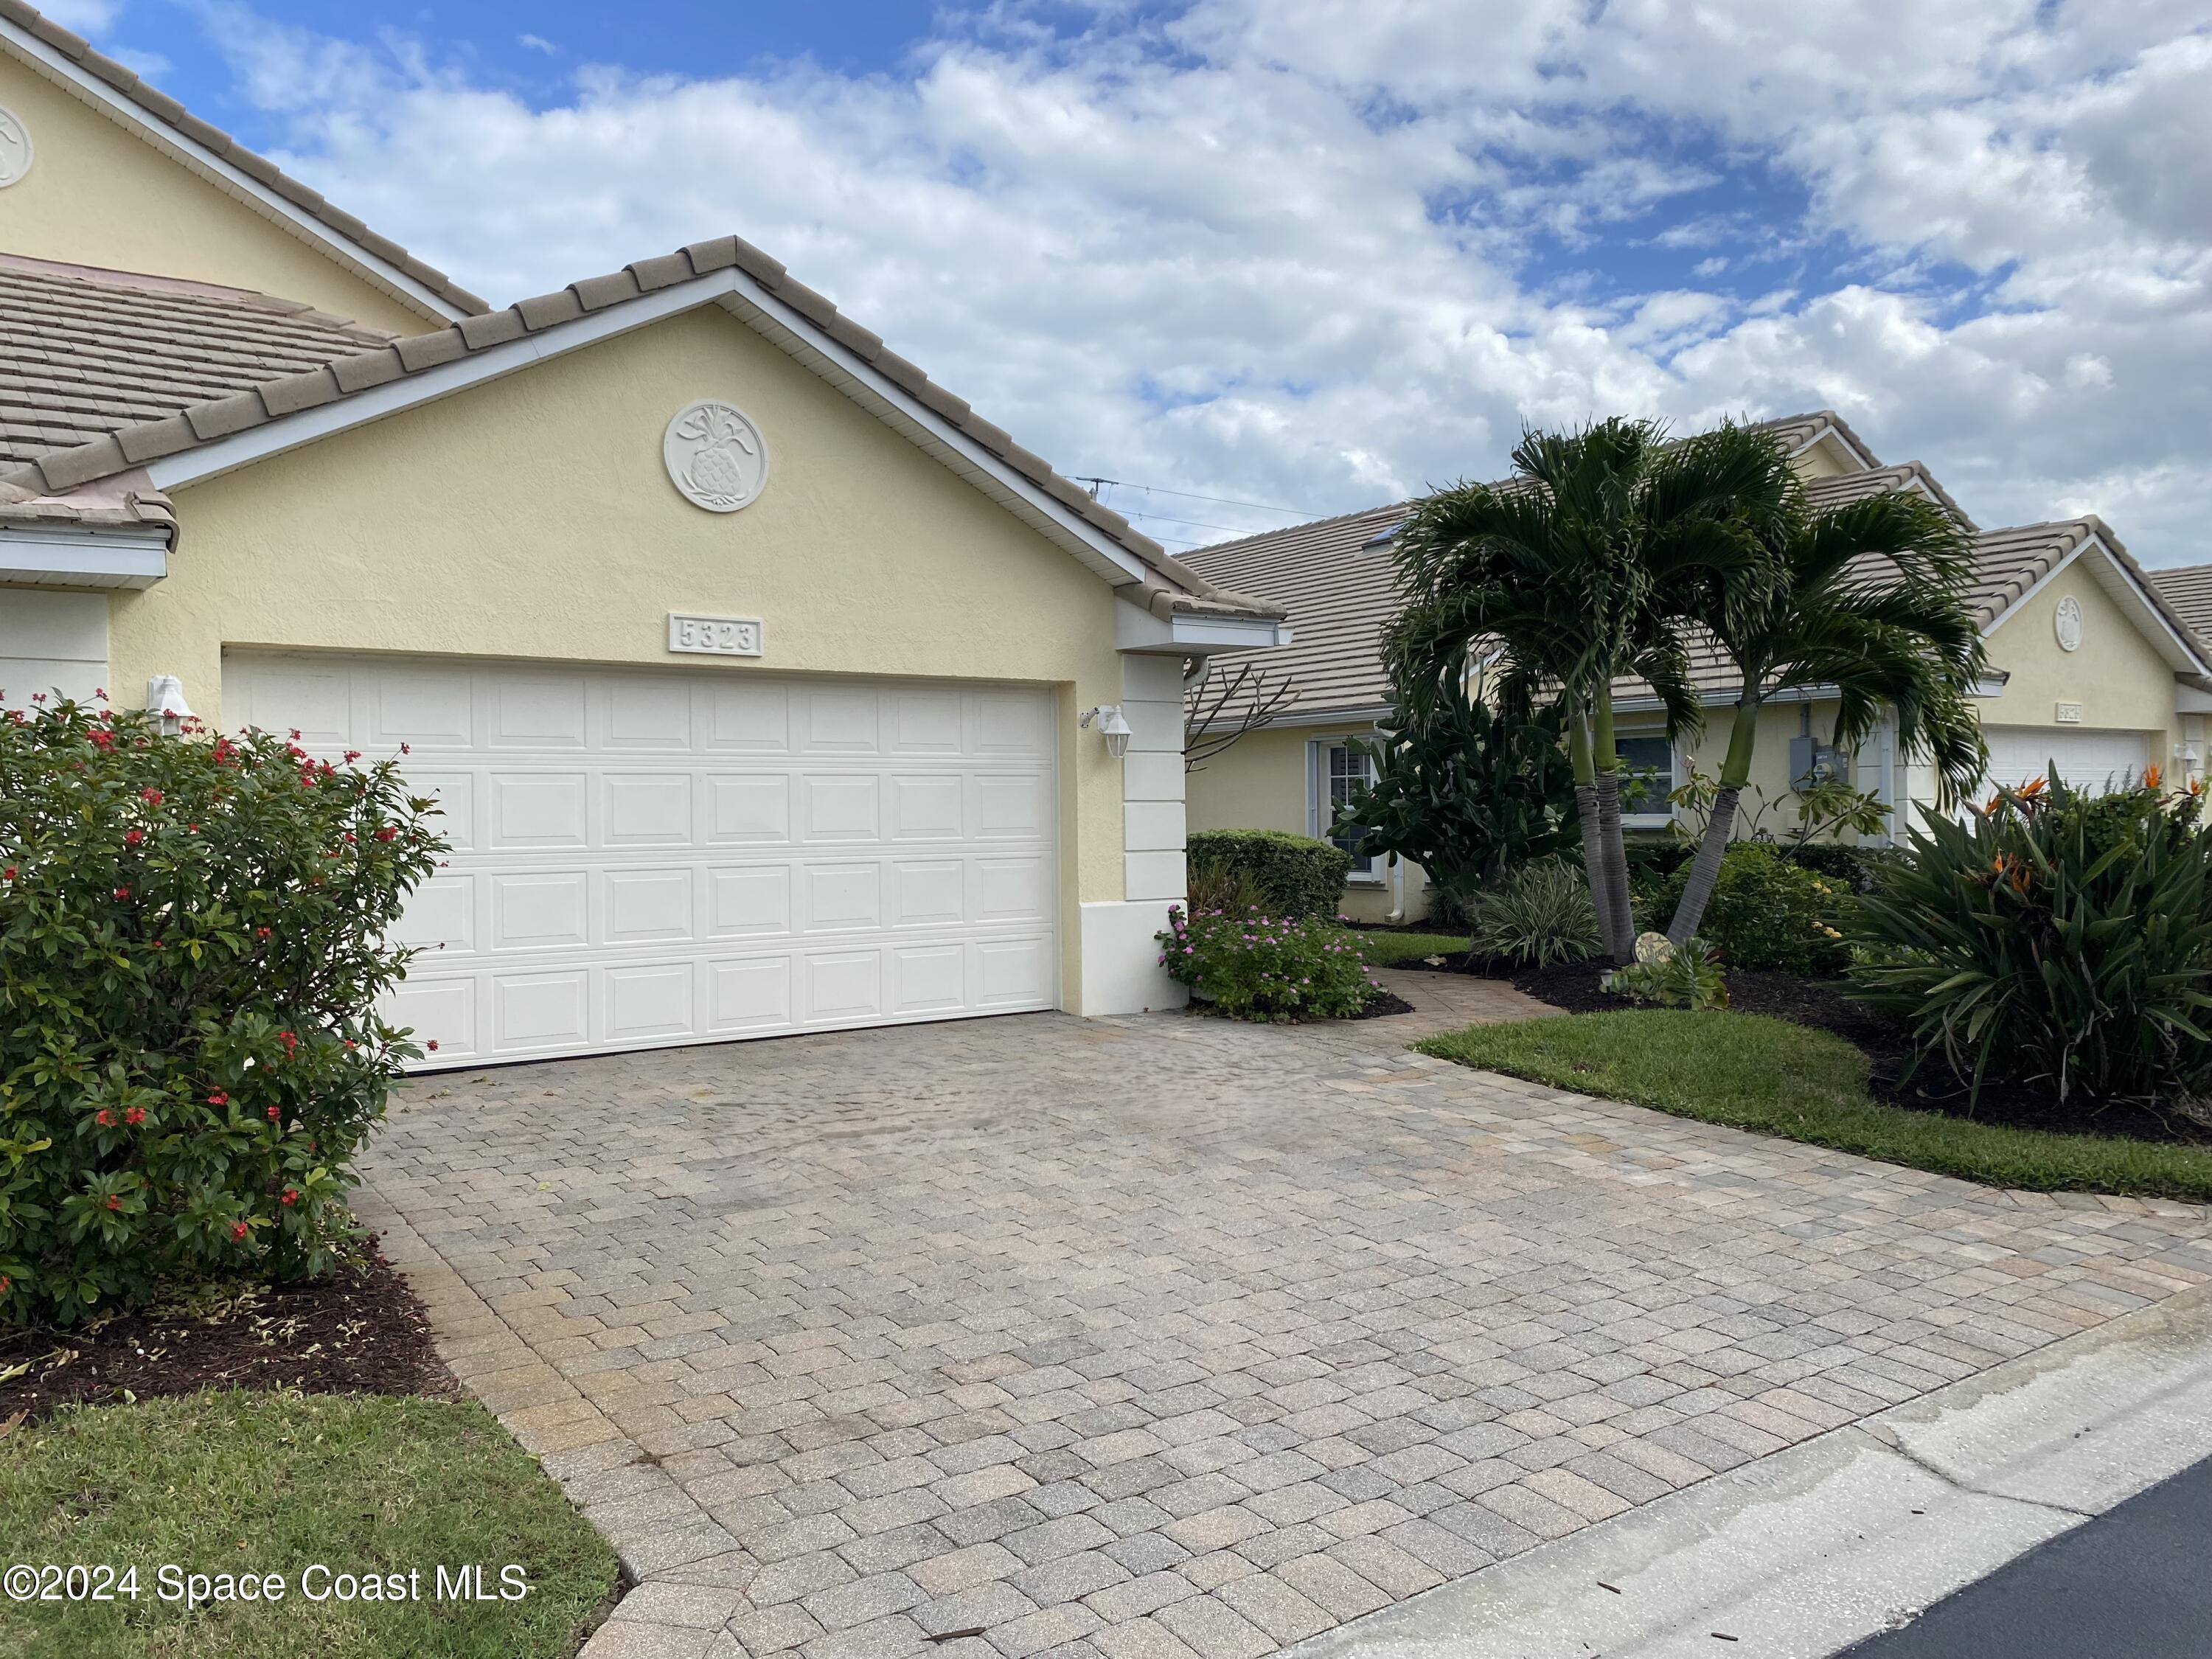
point(1281, 251)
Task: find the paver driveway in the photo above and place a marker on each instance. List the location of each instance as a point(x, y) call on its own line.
point(1135, 1336)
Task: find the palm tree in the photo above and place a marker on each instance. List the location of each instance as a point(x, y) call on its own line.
point(1868, 600)
point(1583, 569)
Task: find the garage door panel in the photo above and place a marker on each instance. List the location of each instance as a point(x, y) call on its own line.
point(1009, 725)
point(925, 722)
point(925, 807)
point(748, 900)
point(840, 806)
point(438, 1008)
point(647, 809)
point(650, 715)
point(538, 809)
point(540, 1010)
point(1007, 806)
point(431, 710)
point(644, 858)
point(840, 719)
point(316, 703)
point(644, 906)
point(442, 913)
point(748, 719)
point(749, 993)
point(651, 999)
point(927, 893)
point(848, 896)
point(541, 911)
point(928, 979)
point(1012, 889)
point(1012, 973)
point(844, 986)
point(537, 711)
point(455, 794)
point(754, 809)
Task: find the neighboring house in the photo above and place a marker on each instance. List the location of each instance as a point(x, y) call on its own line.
point(2094, 671)
point(760, 678)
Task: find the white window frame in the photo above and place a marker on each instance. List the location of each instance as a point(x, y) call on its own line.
point(1661, 819)
point(1320, 803)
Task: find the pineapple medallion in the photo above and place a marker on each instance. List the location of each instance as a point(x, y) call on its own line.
point(716, 457)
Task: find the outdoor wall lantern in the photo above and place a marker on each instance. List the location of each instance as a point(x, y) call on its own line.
point(164, 697)
point(1113, 725)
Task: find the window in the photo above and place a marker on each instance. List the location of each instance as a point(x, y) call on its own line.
point(1341, 770)
point(1647, 766)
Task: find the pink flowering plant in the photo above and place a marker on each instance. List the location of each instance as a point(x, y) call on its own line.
point(193, 940)
point(1250, 965)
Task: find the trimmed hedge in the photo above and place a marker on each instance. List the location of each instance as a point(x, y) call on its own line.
point(1298, 875)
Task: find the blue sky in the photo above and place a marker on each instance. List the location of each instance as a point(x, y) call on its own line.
point(1322, 254)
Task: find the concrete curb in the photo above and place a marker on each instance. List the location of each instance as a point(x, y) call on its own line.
point(1801, 1553)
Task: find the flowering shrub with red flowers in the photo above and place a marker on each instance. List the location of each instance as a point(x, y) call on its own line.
point(192, 941)
point(1254, 966)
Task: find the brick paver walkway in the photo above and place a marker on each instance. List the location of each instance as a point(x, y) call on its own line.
point(1164, 1335)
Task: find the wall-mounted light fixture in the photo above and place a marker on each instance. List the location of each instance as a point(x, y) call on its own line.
point(1113, 725)
point(164, 697)
point(2188, 754)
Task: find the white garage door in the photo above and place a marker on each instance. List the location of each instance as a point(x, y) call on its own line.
point(2088, 760)
point(642, 859)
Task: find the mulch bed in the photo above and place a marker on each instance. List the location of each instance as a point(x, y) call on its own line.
point(1821, 1004)
point(360, 1330)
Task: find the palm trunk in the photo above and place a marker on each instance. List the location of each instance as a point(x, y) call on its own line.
point(1712, 847)
point(1607, 759)
point(1595, 868)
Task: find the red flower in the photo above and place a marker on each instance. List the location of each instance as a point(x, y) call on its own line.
point(151, 797)
point(218, 1098)
point(238, 1230)
point(132, 837)
point(134, 1115)
point(291, 1197)
point(289, 1041)
point(114, 1202)
point(261, 933)
point(352, 755)
point(9, 874)
point(433, 1045)
point(273, 1113)
point(105, 1118)
point(123, 892)
point(387, 833)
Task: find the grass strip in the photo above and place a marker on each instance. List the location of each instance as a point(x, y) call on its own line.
point(1749, 1071)
point(224, 1481)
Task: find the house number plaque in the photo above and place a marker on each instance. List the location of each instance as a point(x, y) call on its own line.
point(714, 636)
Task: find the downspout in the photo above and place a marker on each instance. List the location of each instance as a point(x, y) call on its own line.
point(1397, 891)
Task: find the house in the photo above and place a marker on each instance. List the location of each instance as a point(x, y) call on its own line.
point(766, 686)
point(2095, 673)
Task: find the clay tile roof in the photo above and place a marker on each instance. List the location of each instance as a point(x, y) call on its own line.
point(175, 365)
point(1880, 480)
point(88, 354)
point(2188, 589)
point(166, 112)
point(1796, 431)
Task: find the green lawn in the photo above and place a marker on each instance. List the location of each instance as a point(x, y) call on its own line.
point(1753, 1073)
point(1406, 950)
point(238, 1482)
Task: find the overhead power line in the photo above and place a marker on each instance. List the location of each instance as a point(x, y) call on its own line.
point(1096, 484)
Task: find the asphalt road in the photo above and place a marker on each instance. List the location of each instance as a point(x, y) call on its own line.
point(2134, 1584)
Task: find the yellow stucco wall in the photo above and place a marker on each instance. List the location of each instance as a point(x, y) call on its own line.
point(532, 517)
point(2118, 679)
point(97, 194)
point(1261, 784)
point(1258, 784)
